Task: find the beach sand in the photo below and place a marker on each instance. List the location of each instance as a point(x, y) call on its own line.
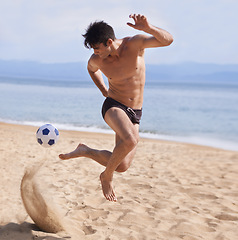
point(172, 190)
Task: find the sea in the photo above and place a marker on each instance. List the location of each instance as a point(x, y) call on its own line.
point(196, 112)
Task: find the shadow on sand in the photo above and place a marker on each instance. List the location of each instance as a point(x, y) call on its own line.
point(23, 231)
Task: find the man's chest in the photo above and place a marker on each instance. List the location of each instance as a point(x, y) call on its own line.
point(120, 67)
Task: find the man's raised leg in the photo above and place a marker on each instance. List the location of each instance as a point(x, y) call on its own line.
point(100, 156)
point(82, 150)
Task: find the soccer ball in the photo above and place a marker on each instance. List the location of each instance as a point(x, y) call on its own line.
point(47, 135)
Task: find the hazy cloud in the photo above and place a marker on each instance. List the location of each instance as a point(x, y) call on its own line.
point(50, 30)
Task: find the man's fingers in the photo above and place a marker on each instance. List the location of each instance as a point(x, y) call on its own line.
point(137, 17)
point(134, 16)
point(131, 15)
point(130, 24)
point(140, 21)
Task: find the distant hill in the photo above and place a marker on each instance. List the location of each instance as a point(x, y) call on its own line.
point(54, 71)
point(78, 71)
point(193, 71)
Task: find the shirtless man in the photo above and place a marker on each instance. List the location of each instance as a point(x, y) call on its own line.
point(122, 62)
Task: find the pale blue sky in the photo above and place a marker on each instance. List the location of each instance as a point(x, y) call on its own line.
point(204, 31)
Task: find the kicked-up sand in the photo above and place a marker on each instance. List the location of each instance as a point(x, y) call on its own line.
point(172, 191)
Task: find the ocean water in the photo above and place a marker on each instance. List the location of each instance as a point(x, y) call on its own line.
point(204, 113)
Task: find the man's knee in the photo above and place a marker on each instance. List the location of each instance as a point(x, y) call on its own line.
point(123, 167)
point(131, 141)
point(126, 162)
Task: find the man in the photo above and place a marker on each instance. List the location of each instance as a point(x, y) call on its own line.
point(122, 62)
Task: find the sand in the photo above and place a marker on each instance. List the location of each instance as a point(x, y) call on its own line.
point(172, 191)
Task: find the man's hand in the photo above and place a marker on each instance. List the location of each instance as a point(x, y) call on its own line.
point(141, 22)
point(159, 38)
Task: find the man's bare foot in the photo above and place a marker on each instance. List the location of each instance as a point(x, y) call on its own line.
point(107, 188)
point(80, 151)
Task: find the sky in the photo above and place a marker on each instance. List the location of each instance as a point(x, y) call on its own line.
point(49, 31)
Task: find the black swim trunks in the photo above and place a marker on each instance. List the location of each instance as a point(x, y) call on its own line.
point(133, 114)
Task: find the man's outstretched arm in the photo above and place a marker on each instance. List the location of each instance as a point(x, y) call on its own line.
point(160, 37)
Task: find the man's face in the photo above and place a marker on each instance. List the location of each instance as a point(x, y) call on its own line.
point(101, 50)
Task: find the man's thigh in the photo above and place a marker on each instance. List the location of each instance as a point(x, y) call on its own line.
point(120, 123)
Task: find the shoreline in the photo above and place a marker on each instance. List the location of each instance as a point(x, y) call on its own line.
point(212, 143)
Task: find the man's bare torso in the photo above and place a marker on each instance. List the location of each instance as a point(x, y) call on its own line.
point(125, 72)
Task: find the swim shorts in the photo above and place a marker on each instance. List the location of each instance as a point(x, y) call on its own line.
point(133, 114)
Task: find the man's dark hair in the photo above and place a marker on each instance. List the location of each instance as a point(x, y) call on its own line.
point(98, 32)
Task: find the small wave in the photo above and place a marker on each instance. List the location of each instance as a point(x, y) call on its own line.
point(197, 140)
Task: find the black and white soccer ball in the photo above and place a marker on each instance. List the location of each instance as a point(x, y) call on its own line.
point(47, 135)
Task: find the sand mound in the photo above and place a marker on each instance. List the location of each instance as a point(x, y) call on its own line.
point(44, 216)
